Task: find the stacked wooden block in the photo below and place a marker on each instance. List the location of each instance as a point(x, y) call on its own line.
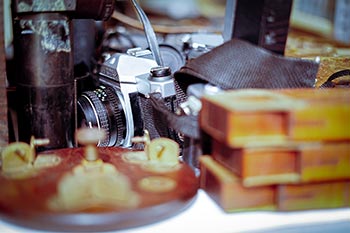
point(277, 149)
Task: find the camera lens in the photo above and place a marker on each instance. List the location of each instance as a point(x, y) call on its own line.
point(101, 108)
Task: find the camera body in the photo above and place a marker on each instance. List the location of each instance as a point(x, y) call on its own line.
point(120, 104)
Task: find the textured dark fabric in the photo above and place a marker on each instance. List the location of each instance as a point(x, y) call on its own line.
point(154, 119)
point(239, 64)
point(236, 65)
point(187, 125)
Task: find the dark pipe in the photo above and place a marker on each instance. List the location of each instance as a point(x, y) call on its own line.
point(84, 44)
point(45, 80)
point(43, 42)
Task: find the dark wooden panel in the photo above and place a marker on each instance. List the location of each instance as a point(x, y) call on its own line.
point(3, 98)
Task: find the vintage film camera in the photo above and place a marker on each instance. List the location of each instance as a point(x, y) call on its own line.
point(120, 104)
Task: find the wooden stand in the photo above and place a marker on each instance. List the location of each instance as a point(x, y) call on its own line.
point(106, 189)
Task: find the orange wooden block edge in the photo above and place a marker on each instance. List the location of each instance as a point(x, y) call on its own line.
point(325, 161)
point(262, 165)
point(239, 117)
point(228, 192)
point(321, 195)
point(286, 163)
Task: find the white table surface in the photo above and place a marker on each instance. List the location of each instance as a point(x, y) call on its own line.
point(203, 216)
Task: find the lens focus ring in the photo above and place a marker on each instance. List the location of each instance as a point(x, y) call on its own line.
point(100, 114)
point(118, 116)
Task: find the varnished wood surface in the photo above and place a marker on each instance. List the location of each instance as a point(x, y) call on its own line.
point(24, 201)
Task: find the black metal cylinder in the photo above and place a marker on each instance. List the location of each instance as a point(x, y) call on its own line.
point(94, 9)
point(84, 43)
point(44, 79)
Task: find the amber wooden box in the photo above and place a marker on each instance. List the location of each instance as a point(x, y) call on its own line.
point(239, 118)
point(334, 194)
point(228, 191)
point(286, 163)
point(287, 149)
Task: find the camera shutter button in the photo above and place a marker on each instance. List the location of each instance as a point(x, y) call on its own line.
point(160, 73)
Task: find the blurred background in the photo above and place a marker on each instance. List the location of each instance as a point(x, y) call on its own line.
point(317, 28)
point(327, 19)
